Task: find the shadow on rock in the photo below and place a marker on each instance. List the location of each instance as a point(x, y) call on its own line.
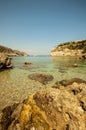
point(9, 114)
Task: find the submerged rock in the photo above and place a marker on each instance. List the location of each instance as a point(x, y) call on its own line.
point(27, 63)
point(42, 78)
point(70, 81)
point(74, 65)
point(5, 61)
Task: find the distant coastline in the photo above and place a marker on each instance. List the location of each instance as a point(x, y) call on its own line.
point(11, 52)
point(73, 48)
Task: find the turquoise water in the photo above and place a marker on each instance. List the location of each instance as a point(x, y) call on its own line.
point(16, 86)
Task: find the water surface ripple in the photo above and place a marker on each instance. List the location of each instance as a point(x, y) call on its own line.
point(16, 86)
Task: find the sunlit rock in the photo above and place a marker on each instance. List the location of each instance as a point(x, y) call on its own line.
point(62, 108)
point(74, 48)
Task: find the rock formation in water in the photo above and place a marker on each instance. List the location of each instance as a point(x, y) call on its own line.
point(5, 61)
point(62, 107)
point(75, 48)
point(27, 63)
point(42, 78)
point(11, 52)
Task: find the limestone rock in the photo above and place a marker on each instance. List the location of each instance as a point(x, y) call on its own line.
point(73, 48)
point(27, 63)
point(62, 108)
point(5, 61)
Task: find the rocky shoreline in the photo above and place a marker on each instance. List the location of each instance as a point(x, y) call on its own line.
point(74, 48)
point(11, 52)
point(61, 107)
point(5, 61)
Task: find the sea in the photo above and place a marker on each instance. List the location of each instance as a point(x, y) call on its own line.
point(15, 85)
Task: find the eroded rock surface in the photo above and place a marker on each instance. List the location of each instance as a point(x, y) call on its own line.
point(5, 61)
point(57, 108)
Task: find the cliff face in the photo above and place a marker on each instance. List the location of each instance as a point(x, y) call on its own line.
point(11, 52)
point(74, 48)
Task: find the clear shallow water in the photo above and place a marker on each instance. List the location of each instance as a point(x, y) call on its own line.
point(16, 86)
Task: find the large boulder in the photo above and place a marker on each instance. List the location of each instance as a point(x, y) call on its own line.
point(5, 61)
point(62, 108)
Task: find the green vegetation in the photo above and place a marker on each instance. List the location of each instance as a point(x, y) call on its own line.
point(77, 45)
point(10, 51)
point(74, 45)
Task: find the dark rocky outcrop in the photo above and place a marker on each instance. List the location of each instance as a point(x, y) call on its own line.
point(5, 61)
point(6, 117)
point(10, 115)
point(27, 63)
point(83, 57)
point(42, 78)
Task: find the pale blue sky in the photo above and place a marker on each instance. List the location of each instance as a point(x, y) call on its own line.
point(36, 26)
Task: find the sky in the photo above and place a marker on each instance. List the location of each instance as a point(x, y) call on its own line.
point(36, 26)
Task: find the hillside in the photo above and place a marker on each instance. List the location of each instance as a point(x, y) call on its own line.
point(74, 48)
point(9, 51)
